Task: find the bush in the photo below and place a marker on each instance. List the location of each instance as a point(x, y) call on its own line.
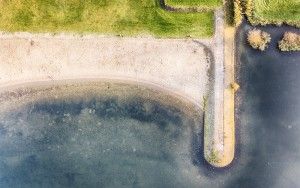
point(290, 42)
point(258, 39)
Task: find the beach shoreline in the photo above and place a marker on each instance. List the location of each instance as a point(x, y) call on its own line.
point(177, 65)
point(14, 96)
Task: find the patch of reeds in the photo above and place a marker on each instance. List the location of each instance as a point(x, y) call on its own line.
point(238, 12)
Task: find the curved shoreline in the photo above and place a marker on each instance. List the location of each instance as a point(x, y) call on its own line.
point(96, 98)
point(88, 81)
point(16, 96)
point(178, 65)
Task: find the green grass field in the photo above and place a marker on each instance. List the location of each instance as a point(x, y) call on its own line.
point(277, 10)
point(194, 3)
point(124, 17)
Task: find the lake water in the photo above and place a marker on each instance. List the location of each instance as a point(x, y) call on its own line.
point(99, 136)
point(122, 135)
point(268, 114)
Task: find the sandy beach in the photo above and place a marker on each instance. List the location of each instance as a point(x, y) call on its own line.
point(175, 65)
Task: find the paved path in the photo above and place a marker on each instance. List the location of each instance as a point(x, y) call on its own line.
point(219, 133)
point(218, 49)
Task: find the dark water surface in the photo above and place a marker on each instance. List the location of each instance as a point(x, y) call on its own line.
point(268, 115)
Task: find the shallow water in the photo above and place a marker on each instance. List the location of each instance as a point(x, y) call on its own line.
point(97, 140)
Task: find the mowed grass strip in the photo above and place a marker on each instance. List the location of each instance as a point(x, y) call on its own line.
point(277, 10)
point(210, 4)
point(117, 17)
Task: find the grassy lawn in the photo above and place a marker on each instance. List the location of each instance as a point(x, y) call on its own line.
point(277, 10)
point(194, 3)
point(124, 17)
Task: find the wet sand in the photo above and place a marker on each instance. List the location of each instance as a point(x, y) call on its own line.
point(15, 96)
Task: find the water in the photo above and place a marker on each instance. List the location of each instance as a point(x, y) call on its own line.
point(119, 135)
point(268, 114)
point(96, 139)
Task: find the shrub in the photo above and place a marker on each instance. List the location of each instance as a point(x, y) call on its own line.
point(258, 39)
point(290, 42)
